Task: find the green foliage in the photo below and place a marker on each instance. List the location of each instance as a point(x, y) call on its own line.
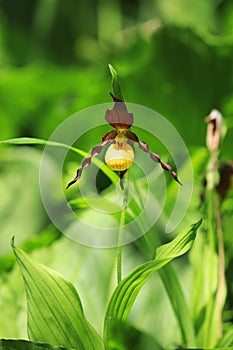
point(124, 336)
point(174, 56)
point(126, 292)
point(7, 344)
point(55, 313)
point(115, 83)
point(34, 141)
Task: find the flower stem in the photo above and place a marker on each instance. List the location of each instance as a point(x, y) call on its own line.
point(121, 231)
point(221, 282)
point(215, 235)
point(118, 93)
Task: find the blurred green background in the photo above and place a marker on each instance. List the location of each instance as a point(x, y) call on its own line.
point(174, 56)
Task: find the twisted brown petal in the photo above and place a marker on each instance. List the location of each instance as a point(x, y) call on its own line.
point(110, 135)
point(87, 161)
point(154, 156)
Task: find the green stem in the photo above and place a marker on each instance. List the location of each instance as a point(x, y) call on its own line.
point(213, 317)
point(210, 218)
point(210, 191)
point(118, 93)
point(221, 254)
point(121, 231)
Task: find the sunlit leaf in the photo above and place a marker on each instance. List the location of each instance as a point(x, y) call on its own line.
point(55, 314)
point(147, 244)
point(127, 291)
point(35, 141)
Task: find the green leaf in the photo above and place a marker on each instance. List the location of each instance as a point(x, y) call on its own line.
point(44, 239)
point(177, 299)
point(227, 339)
point(125, 336)
point(115, 83)
point(125, 294)
point(169, 278)
point(205, 307)
point(35, 141)
point(55, 314)
point(9, 344)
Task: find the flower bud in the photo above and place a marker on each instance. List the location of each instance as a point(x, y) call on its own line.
point(214, 130)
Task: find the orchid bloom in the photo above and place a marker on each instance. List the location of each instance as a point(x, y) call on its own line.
point(120, 153)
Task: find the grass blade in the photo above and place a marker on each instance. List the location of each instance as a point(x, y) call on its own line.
point(35, 141)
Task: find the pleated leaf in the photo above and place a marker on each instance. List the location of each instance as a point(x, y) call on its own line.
point(55, 314)
point(126, 292)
